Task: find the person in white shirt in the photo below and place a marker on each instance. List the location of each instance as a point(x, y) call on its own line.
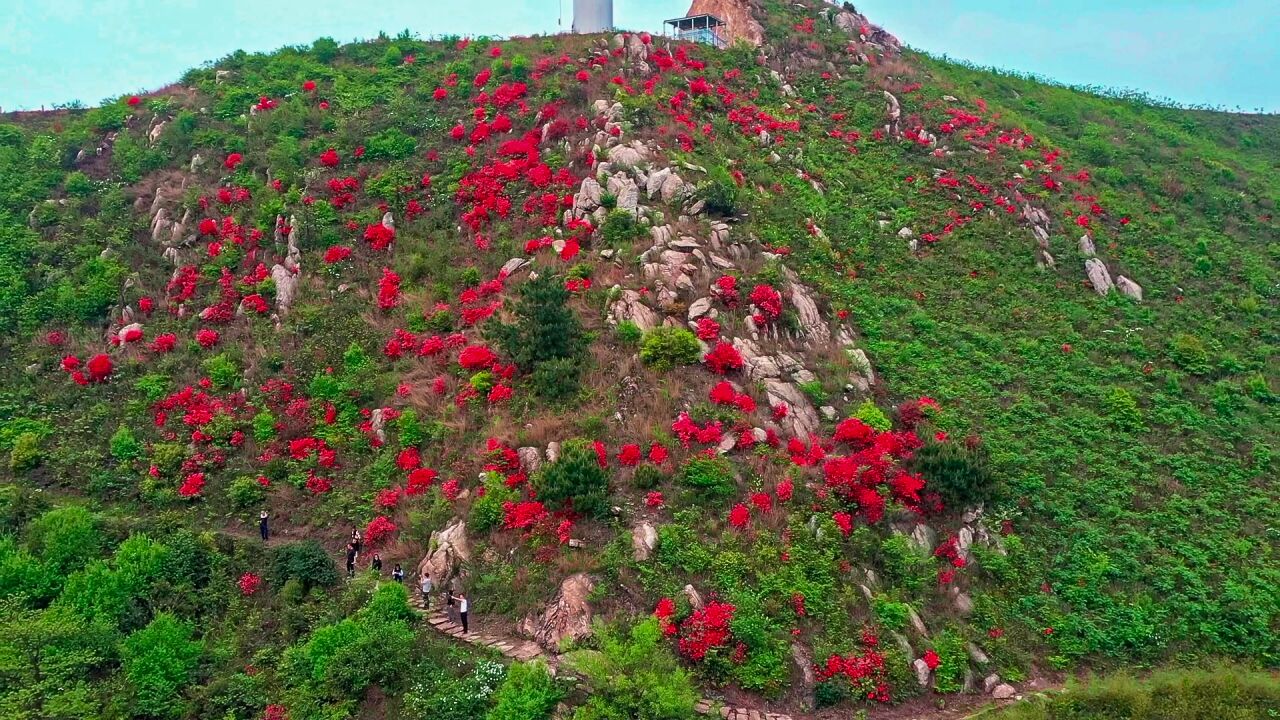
point(462, 612)
point(426, 586)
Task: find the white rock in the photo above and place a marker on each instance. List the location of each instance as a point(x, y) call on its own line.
point(1099, 276)
point(1129, 288)
point(1004, 691)
point(644, 540)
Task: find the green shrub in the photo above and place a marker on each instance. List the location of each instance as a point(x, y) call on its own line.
point(78, 184)
point(1190, 353)
point(264, 426)
point(26, 453)
point(628, 332)
point(712, 477)
point(222, 370)
point(574, 480)
point(124, 446)
point(307, 562)
point(647, 477)
point(959, 472)
point(666, 347)
point(1123, 410)
point(634, 676)
point(158, 662)
point(905, 565)
point(620, 228)
point(868, 413)
point(486, 512)
point(720, 193)
point(246, 492)
point(546, 339)
point(529, 693)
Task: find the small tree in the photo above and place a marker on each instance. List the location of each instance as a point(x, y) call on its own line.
point(158, 661)
point(307, 562)
point(959, 472)
point(575, 480)
point(546, 339)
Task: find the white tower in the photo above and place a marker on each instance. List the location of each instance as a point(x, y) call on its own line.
point(592, 16)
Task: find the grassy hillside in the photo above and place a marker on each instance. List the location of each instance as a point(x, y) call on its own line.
point(891, 443)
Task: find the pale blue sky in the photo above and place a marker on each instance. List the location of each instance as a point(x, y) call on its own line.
point(1218, 52)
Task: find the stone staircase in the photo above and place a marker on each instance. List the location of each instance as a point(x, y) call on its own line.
point(524, 651)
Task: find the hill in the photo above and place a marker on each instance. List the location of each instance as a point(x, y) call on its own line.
point(802, 377)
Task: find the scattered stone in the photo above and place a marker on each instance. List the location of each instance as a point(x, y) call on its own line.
point(695, 599)
point(1086, 246)
point(530, 459)
point(1129, 288)
point(828, 412)
point(644, 540)
point(990, 682)
point(916, 623)
point(976, 654)
point(1004, 691)
point(922, 672)
point(1099, 276)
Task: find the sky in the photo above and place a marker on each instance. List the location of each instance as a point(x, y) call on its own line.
point(1222, 53)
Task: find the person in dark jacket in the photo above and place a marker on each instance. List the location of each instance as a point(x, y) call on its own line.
point(263, 528)
point(351, 560)
point(377, 563)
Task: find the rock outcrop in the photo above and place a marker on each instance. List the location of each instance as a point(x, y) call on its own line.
point(740, 23)
point(566, 618)
point(449, 550)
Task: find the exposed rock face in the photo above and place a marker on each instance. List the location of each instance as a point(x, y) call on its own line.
point(530, 459)
point(922, 672)
point(740, 24)
point(451, 550)
point(644, 540)
point(630, 306)
point(694, 598)
point(286, 287)
point(1004, 691)
point(1129, 288)
point(568, 617)
point(1099, 276)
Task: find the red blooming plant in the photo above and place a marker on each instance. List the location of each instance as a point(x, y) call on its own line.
point(476, 357)
point(379, 530)
point(192, 485)
point(388, 290)
point(99, 368)
point(740, 516)
point(706, 630)
point(768, 300)
point(723, 358)
point(249, 583)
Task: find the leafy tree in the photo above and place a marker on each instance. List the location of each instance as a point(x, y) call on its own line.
point(373, 647)
point(157, 661)
point(307, 562)
point(529, 693)
point(634, 677)
point(65, 538)
point(545, 336)
point(574, 480)
point(48, 659)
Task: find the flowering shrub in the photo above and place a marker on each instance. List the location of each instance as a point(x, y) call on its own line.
point(768, 300)
point(192, 485)
point(706, 630)
point(249, 583)
point(723, 358)
point(378, 531)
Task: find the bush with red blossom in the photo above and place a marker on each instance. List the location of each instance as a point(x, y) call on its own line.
point(99, 368)
point(207, 338)
point(249, 583)
point(378, 531)
point(723, 358)
point(706, 630)
point(476, 357)
point(192, 485)
point(739, 516)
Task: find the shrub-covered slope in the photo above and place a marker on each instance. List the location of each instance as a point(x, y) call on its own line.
point(830, 373)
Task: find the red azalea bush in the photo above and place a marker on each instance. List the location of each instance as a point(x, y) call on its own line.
point(768, 300)
point(378, 531)
point(192, 485)
point(705, 630)
point(249, 583)
point(207, 338)
point(723, 358)
point(388, 290)
point(99, 368)
point(476, 357)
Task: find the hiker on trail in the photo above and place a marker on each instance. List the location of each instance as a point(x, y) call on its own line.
point(462, 612)
point(351, 560)
point(398, 573)
point(427, 587)
point(377, 563)
point(356, 540)
point(263, 529)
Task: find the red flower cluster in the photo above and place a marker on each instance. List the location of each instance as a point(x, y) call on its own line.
point(249, 583)
point(724, 394)
point(723, 358)
point(388, 289)
point(378, 530)
point(768, 300)
point(192, 485)
point(705, 630)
